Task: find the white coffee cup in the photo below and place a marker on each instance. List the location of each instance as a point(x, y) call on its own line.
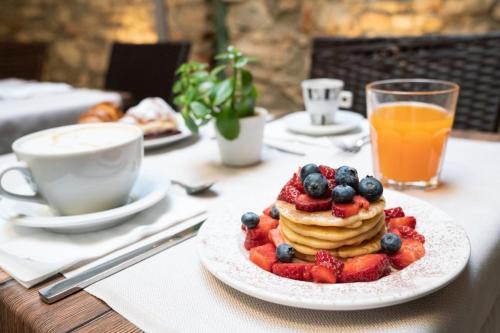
point(78, 169)
point(323, 97)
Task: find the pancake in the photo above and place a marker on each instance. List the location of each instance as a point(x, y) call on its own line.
point(367, 247)
point(326, 218)
point(333, 234)
point(329, 245)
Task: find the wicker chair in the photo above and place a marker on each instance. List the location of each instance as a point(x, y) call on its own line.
point(145, 70)
point(22, 60)
point(471, 61)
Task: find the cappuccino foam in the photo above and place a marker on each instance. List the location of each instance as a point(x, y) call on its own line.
point(78, 139)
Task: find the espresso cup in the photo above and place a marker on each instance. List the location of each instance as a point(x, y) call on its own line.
point(323, 97)
point(78, 169)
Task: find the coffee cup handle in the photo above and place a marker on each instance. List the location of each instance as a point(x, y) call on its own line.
point(345, 99)
point(23, 168)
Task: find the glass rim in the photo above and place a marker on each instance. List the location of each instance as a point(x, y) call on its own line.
point(453, 87)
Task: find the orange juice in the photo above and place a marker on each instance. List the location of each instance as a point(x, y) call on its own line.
point(409, 139)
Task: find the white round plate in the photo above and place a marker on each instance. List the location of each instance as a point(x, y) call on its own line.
point(300, 123)
point(146, 192)
point(160, 141)
point(447, 253)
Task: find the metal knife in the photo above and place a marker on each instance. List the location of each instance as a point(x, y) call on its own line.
point(69, 286)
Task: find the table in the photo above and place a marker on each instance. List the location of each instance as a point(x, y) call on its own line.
point(22, 310)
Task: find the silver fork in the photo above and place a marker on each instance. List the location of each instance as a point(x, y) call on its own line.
point(354, 148)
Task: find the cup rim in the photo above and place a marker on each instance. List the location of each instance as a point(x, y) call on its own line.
point(453, 87)
point(316, 82)
point(16, 144)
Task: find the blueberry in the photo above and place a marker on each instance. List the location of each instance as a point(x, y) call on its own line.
point(274, 213)
point(250, 220)
point(316, 185)
point(390, 243)
point(347, 176)
point(343, 194)
point(370, 188)
point(308, 169)
point(285, 252)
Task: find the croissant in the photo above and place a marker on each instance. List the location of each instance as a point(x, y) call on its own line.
point(102, 112)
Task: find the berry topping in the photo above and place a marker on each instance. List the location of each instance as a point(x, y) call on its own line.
point(288, 193)
point(297, 182)
point(369, 267)
point(370, 188)
point(347, 176)
point(275, 237)
point(295, 271)
point(393, 212)
point(285, 252)
point(321, 274)
point(264, 256)
point(343, 194)
point(250, 220)
point(410, 251)
point(316, 185)
point(328, 172)
point(259, 235)
point(308, 204)
point(345, 210)
point(324, 258)
point(267, 211)
point(308, 169)
point(274, 213)
point(406, 232)
point(361, 201)
point(390, 243)
point(397, 222)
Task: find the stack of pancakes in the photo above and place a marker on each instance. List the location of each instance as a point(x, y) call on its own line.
point(309, 232)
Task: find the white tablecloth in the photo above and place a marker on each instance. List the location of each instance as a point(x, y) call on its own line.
point(172, 292)
point(22, 116)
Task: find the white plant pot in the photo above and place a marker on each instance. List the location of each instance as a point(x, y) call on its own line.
point(246, 149)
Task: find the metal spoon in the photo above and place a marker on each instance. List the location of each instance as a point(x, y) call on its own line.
point(354, 148)
point(193, 190)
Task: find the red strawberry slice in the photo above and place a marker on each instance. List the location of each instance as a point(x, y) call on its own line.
point(393, 212)
point(267, 211)
point(264, 256)
point(288, 193)
point(326, 171)
point(259, 235)
point(297, 182)
point(345, 210)
point(324, 258)
point(267, 223)
point(361, 201)
point(331, 185)
point(321, 274)
point(308, 204)
point(275, 237)
point(369, 267)
point(408, 221)
point(295, 271)
point(410, 251)
point(405, 232)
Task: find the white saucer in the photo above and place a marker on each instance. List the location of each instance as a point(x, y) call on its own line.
point(146, 192)
point(300, 123)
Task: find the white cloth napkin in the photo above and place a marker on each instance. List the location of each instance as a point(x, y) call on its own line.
point(13, 89)
point(31, 255)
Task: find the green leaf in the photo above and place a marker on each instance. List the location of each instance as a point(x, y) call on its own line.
point(190, 123)
point(246, 82)
point(222, 56)
point(199, 109)
point(215, 72)
point(177, 88)
point(179, 100)
point(241, 62)
point(223, 91)
point(229, 127)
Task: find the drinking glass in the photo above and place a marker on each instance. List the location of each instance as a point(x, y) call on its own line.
point(410, 120)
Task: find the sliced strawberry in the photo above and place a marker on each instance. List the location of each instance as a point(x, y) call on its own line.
point(321, 274)
point(393, 212)
point(408, 221)
point(267, 223)
point(264, 256)
point(288, 193)
point(369, 267)
point(345, 210)
point(259, 235)
point(361, 201)
point(410, 251)
point(405, 232)
point(308, 204)
point(295, 271)
point(275, 237)
point(324, 258)
point(326, 171)
point(252, 243)
point(331, 185)
point(267, 211)
point(297, 182)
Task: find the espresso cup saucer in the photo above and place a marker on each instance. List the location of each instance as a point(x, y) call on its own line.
point(345, 121)
point(146, 192)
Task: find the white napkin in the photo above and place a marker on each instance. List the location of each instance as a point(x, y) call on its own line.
point(31, 255)
point(29, 89)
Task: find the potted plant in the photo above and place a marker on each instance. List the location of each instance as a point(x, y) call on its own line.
point(227, 95)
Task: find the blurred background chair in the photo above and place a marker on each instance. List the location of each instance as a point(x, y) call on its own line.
point(22, 60)
point(471, 61)
point(145, 70)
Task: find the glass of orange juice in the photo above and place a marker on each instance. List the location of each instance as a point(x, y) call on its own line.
point(410, 120)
